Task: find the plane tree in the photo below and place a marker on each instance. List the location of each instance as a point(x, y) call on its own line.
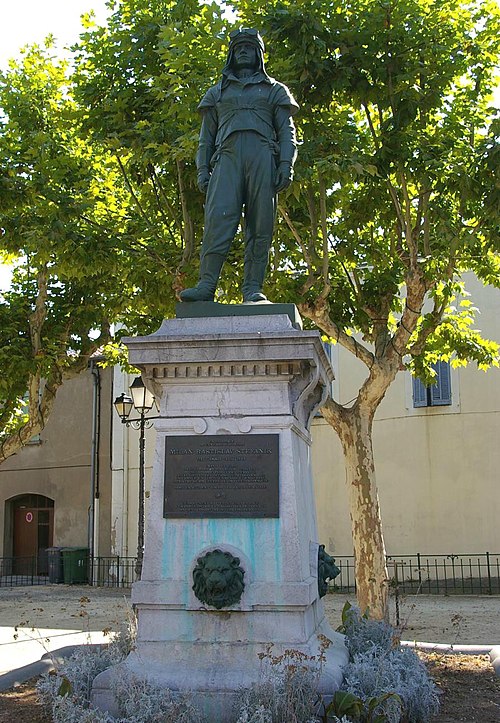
point(140, 79)
point(69, 231)
point(100, 210)
point(396, 196)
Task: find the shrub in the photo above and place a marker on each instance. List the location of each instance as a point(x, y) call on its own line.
point(379, 665)
point(67, 693)
point(66, 710)
point(74, 680)
point(142, 702)
point(286, 691)
point(362, 633)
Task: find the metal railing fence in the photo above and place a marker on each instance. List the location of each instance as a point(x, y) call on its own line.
point(454, 574)
point(112, 571)
point(20, 571)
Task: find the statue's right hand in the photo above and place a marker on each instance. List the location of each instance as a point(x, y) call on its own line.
point(203, 179)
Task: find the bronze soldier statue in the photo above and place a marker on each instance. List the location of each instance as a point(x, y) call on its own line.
point(245, 157)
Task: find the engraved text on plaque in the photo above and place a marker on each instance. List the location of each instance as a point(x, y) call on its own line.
point(222, 476)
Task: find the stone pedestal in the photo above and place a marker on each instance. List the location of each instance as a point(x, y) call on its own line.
point(236, 377)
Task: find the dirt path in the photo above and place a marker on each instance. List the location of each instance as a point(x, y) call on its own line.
point(455, 620)
point(466, 620)
point(471, 691)
point(64, 607)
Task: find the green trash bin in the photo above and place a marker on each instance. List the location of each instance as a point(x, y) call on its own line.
point(75, 564)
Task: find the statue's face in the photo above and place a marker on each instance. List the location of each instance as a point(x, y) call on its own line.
point(245, 57)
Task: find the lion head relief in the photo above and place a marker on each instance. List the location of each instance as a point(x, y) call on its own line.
point(327, 570)
point(218, 579)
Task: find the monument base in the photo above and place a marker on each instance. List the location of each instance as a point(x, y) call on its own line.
point(231, 552)
point(213, 309)
point(214, 675)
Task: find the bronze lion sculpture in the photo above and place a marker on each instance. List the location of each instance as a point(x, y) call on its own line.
point(327, 570)
point(218, 579)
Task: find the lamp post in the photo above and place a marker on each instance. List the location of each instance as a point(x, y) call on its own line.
point(142, 400)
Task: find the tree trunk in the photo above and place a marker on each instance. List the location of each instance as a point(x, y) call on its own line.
point(369, 550)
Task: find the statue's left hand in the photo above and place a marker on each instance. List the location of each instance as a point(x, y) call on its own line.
point(203, 179)
point(284, 176)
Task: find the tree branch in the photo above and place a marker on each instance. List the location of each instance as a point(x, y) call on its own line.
point(132, 192)
point(416, 289)
point(42, 393)
point(188, 229)
point(318, 313)
point(324, 232)
point(311, 205)
point(166, 220)
point(376, 141)
point(397, 207)
point(295, 234)
point(408, 226)
point(37, 318)
point(158, 186)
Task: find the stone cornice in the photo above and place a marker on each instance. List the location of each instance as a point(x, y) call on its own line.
point(212, 370)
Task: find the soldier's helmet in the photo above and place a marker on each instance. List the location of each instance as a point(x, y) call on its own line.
point(245, 35)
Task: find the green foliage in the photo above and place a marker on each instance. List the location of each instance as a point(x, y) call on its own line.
point(99, 203)
point(367, 711)
point(397, 174)
point(344, 704)
point(60, 195)
point(141, 78)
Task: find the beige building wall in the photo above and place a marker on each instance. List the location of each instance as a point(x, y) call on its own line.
point(438, 468)
point(59, 467)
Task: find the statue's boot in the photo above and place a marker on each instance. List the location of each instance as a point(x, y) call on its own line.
point(254, 273)
point(210, 268)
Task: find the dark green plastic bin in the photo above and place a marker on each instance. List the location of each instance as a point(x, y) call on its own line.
point(75, 564)
point(55, 564)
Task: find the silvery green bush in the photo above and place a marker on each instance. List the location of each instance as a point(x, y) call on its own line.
point(66, 710)
point(286, 691)
point(72, 683)
point(66, 694)
point(251, 713)
point(378, 664)
point(142, 702)
point(362, 633)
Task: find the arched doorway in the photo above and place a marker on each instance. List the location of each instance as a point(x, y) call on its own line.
point(32, 533)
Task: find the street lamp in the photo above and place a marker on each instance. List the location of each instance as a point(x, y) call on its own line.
point(142, 400)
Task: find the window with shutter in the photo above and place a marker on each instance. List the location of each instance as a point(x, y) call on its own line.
point(435, 395)
point(419, 393)
point(441, 391)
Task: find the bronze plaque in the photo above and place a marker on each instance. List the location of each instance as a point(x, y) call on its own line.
point(222, 476)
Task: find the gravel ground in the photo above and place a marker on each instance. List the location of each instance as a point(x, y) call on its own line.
point(470, 689)
point(465, 620)
point(67, 607)
point(452, 620)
